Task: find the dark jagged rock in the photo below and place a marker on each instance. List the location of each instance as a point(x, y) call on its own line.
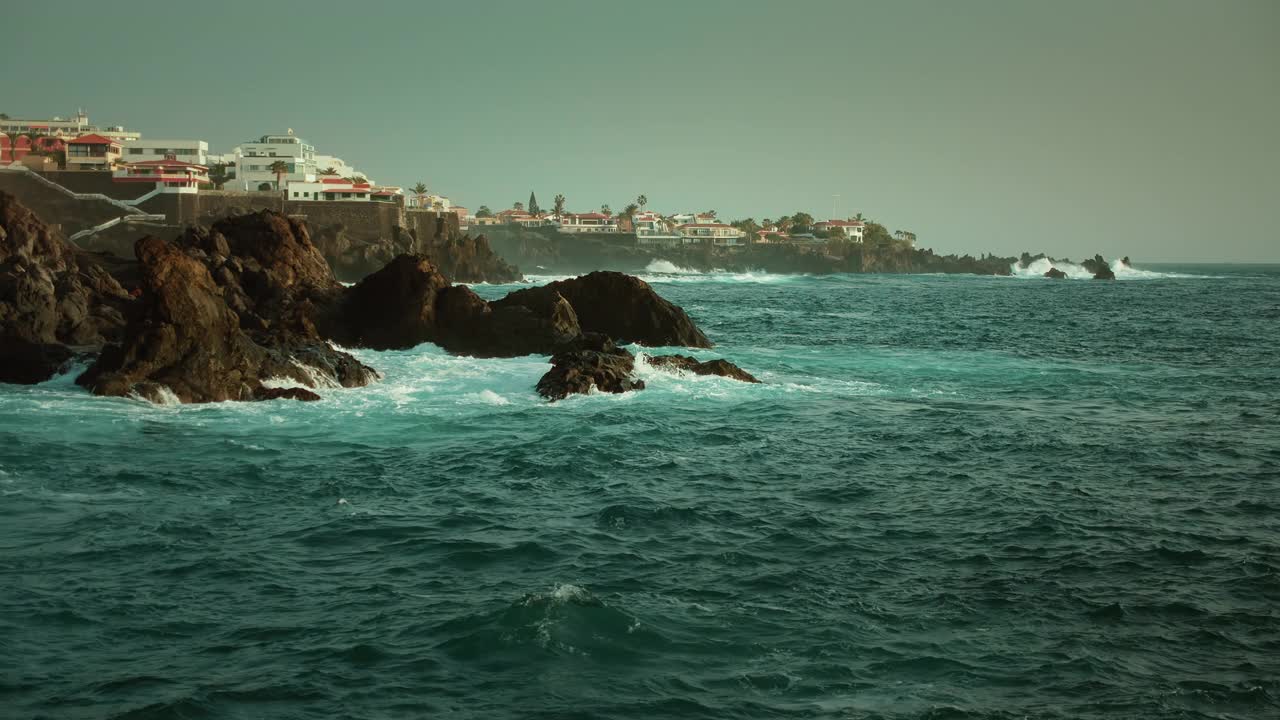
point(184, 338)
point(590, 363)
point(410, 302)
point(394, 308)
point(471, 326)
point(293, 393)
point(720, 367)
point(1100, 268)
point(620, 306)
point(50, 292)
point(27, 363)
point(1055, 273)
point(471, 260)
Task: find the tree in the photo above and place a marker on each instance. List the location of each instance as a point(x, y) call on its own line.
point(517, 206)
point(559, 206)
point(280, 168)
point(748, 226)
point(802, 220)
point(606, 210)
point(218, 175)
point(328, 171)
point(419, 190)
point(4, 116)
point(484, 212)
point(642, 201)
point(359, 180)
point(533, 204)
point(264, 187)
point(785, 224)
point(712, 213)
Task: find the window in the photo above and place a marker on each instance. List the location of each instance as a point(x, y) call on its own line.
point(135, 151)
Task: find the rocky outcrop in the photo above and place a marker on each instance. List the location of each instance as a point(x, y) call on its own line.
point(719, 366)
point(1055, 274)
point(218, 312)
point(619, 306)
point(471, 260)
point(1100, 268)
point(186, 340)
point(51, 293)
point(590, 364)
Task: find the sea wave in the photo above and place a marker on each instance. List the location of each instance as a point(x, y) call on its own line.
point(1122, 270)
point(665, 271)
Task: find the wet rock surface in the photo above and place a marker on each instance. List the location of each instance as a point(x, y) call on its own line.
point(719, 366)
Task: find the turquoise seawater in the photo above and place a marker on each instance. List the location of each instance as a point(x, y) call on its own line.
point(952, 497)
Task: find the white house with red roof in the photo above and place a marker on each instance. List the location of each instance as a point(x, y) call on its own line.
point(92, 152)
point(851, 229)
point(718, 234)
point(652, 229)
point(169, 176)
point(336, 189)
point(588, 222)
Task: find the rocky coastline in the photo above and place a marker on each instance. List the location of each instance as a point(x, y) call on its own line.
point(249, 308)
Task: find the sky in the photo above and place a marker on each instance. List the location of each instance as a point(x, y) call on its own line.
point(1141, 128)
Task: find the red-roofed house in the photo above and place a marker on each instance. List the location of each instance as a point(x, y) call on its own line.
point(588, 222)
point(715, 233)
point(851, 229)
point(92, 152)
point(170, 175)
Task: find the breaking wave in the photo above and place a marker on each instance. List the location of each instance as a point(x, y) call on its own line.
point(1123, 271)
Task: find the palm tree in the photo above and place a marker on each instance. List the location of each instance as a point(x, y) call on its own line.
point(280, 168)
point(218, 174)
point(359, 180)
point(517, 206)
point(559, 210)
point(629, 212)
point(606, 210)
point(420, 190)
point(642, 201)
point(328, 171)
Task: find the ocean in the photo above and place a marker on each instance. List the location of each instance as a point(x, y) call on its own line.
point(951, 497)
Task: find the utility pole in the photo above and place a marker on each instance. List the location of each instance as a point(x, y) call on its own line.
point(835, 201)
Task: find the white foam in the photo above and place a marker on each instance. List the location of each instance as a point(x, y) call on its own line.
point(669, 268)
point(1122, 271)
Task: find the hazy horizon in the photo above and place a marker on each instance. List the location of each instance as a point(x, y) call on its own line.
point(1144, 129)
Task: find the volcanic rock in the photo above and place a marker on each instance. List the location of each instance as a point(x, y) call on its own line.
point(1100, 268)
point(620, 306)
point(185, 338)
point(720, 367)
point(1055, 273)
point(591, 363)
point(293, 393)
point(50, 292)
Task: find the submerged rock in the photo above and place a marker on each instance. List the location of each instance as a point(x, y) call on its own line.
point(293, 393)
point(719, 366)
point(621, 306)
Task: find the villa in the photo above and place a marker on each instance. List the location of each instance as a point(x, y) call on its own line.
point(851, 229)
point(588, 222)
point(170, 175)
point(336, 189)
point(717, 234)
point(651, 229)
point(92, 152)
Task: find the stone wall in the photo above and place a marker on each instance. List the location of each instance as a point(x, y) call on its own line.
point(70, 215)
point(98, 182)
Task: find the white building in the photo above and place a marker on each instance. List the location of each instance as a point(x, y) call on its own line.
point(254, 161)
point(74, 126)
point(334, 189)
point(717, 234)
point(190, 151)
point(851, 229)
point(587, 222)
point(652, 229)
